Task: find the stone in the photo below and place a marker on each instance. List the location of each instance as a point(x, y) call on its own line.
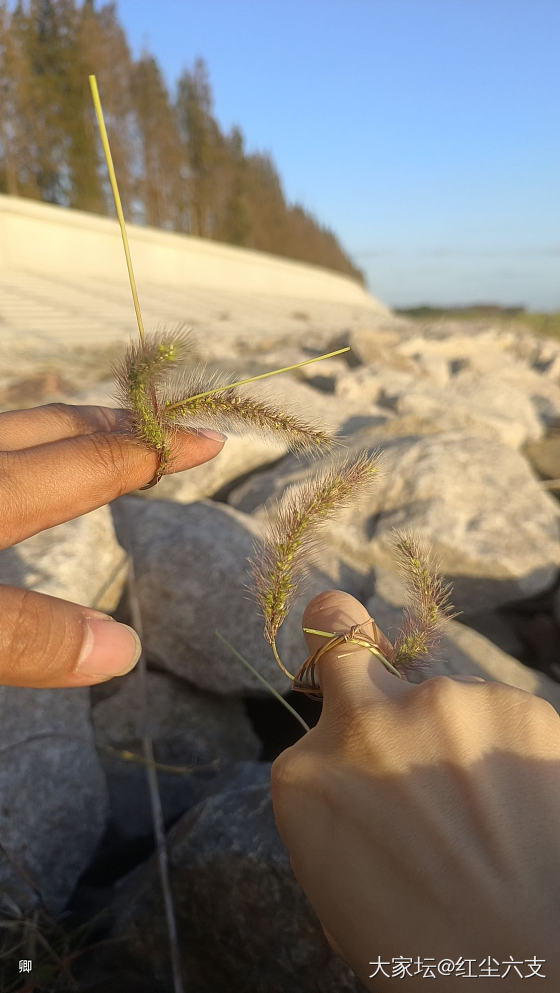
point(240, 456)
point(234, 891)
point(473, 500)
point(477, 505)
point(476, 400)
point(267, 486)
point(53, 797)
point(199, 732)
point(191, 575)
point(391, 596)
point(377, 343)
point(79, 560)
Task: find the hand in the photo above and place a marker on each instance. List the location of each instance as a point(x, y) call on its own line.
point(424, 820)
point(57, 462)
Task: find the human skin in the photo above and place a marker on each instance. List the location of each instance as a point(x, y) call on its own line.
point(57, 462)
point(424, 820)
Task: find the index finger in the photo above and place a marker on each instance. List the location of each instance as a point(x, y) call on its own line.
point(54, 421)
point(51, 483)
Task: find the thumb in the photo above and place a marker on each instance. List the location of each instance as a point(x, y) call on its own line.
point(358, 677)
point(45, 642)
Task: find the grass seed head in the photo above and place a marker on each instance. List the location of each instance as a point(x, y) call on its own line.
point(144, 368)
point(239, 408)
point(280, 564)
point(429, 608)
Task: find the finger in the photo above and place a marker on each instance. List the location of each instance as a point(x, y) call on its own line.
point(45, 642)
point(55, 421)
point(52, 483)
point(468, 679)
point(359, 677)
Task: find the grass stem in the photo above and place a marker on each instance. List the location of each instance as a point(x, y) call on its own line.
point(271, 689)
point(116, 196)
point(253, 379)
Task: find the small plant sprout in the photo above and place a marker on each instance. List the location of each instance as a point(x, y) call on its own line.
point(281, 563)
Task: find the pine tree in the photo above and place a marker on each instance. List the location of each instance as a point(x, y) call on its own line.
point(159, 142)
point(199, 135)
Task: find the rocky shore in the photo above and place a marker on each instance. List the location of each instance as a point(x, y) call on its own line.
point(468, 419)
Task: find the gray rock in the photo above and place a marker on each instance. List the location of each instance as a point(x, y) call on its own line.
point(200, 733)
point(191, 572)
point(239, 457)
point(473, 500)
point(464, 651)
point(268, 486)
point(53, 798)
point(475, 401)
point(243, 921)
point(377, 343)
point(79, 561)
point(479, 508)
point(367, 385)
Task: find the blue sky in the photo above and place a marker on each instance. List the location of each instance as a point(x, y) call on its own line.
point(423, 132)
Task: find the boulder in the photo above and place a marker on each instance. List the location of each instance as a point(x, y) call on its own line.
point(479, 508)
point(476, 400)
point(375, 344)
point(473, 500)
point(54, 799)
point(191, 576)
point(240, 456)
point(79, 560)
point(234, 891)
point(199, 733)
point(365, 386)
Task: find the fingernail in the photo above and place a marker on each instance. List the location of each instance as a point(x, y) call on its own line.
point(214, 435)
point(107, 649)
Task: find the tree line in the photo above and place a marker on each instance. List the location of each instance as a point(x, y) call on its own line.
point(176, 168)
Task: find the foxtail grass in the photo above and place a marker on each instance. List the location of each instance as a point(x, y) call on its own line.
point(429, 607)
point(162, 394)
point(280, 564)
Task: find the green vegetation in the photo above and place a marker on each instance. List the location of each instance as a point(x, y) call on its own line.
point(177, 170)
point(542, 323)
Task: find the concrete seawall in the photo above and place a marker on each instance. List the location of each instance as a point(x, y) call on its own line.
point(44, 238)
point(64, 285)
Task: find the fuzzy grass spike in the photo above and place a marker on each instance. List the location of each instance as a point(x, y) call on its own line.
point(281, 565)
point(144, 367)
point(429, 606)
point(208, 399)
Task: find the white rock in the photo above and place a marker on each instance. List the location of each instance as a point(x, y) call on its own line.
point(80, 561)
point(480, 509)
point(474, 401)
point(239, 456)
